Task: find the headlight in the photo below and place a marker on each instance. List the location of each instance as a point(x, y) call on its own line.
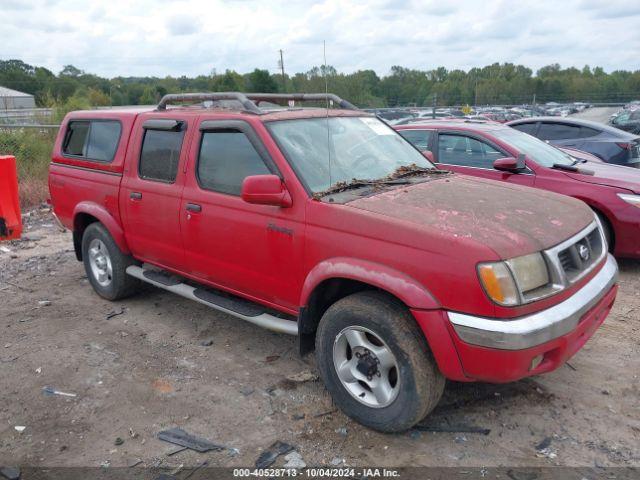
point(508, 283)
point(631, 199)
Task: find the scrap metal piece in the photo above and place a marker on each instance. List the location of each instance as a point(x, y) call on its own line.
point(178, 436)
point(269, 456)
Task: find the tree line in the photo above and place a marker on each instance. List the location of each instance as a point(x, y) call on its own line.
point(504, 83)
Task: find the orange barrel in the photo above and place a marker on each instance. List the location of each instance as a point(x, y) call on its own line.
point(10, 218)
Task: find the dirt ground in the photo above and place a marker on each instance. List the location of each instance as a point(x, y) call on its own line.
point(165, 362)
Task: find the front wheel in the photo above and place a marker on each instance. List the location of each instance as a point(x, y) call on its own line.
point(375, 362)
point(106, 265)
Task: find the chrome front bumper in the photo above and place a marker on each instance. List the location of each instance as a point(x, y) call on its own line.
point(540, 327)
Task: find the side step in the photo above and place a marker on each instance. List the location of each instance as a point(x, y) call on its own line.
point(240, 308)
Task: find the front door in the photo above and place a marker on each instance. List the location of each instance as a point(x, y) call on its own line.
point(151, 191)
point(471, 155)
point(253, 250)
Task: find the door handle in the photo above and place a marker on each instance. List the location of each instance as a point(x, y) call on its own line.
point(135, 196)
point(194, 207)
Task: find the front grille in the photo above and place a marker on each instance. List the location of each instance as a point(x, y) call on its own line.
point(579, 255)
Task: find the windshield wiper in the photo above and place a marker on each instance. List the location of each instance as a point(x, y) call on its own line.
point(562, 166)
point(359, 183)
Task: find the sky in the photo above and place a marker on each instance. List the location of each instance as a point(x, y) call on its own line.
point(193, 37)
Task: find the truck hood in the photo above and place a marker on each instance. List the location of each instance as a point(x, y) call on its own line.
point(609, 175)
point(509, 219)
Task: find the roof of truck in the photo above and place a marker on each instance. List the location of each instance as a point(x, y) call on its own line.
point(268, 114)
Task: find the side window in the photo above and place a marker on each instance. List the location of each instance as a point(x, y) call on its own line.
point(93, 140)
point(160, 154)
point(103, 140)
point(418, 138)
point(226, 158)
point(586, 132)
point(466, 151)
point(558, 131)
point(529, 128)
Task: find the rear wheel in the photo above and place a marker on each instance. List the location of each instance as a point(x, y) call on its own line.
point(375, 362)
point(106, 265)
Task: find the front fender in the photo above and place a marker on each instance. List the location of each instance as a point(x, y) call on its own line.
point(407, 289)
point(104, 217)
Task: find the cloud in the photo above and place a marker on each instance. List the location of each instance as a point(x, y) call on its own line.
point(192, 37)
point(182, 25)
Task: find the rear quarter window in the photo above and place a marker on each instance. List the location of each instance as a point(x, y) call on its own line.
point(529, 128)
point(95, 140)
point(558, 131)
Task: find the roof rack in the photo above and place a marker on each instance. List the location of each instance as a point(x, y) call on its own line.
point(250, 101)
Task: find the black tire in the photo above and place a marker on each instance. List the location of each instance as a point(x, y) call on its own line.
point(421, 383)
point(120, 285)
point(606, 230)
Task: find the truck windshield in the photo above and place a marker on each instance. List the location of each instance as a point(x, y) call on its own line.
point(336, 150)
point(540, 152)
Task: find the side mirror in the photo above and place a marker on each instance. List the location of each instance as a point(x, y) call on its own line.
point(428, 154)
point(265, 190)
point(508, 164)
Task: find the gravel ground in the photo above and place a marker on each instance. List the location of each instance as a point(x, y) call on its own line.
point(158, 361)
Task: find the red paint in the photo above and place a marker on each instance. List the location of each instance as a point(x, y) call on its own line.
point(275, 244)
point(599, 191)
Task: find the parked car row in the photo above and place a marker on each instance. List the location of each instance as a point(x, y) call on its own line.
point(329, 225)
point(628, 118)
point(607, 143)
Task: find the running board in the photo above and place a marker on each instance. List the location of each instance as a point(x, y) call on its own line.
point(240, 308)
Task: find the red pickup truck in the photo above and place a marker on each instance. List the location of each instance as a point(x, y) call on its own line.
point(326, 224)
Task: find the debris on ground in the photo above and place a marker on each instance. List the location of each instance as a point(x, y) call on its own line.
point(294, 460)
point(133, 433)
point(544, 449)
point(115, 313)
point(207, 343)
point(175, 451)
point(337, 461)
point(50, 391)
point(19, 428)
point(178, 436)
point(44, 303)
point(302, 377)
point(162, 386)
point(246, 390)
point(342, 431)
point(269, 456)
point(4, 249)
point(10, 473)
point(272, 358)
point(118, 441)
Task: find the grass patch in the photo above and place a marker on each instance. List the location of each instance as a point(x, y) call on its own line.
point(32, 149)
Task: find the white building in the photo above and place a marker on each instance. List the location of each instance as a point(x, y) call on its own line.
point(12, 99)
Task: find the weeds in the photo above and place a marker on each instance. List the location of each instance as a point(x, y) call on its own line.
point(32, 149)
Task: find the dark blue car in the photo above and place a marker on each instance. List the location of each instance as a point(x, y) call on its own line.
point(608, 143)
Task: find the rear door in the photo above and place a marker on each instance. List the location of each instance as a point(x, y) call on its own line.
point(252, 250)
point(152, 189)
point(471, 154)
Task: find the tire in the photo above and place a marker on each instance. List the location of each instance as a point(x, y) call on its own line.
point(387, 326)
point(106, 265)
point(606, 230)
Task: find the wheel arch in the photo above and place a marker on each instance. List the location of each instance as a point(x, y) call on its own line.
point(87, 213)
point(337, 278)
